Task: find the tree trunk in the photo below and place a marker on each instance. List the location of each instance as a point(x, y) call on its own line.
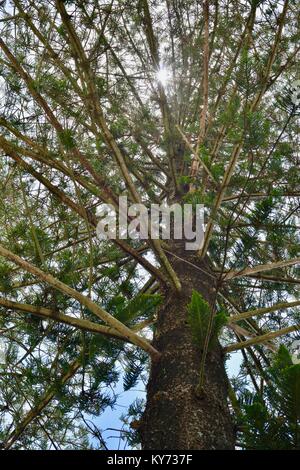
point(175, 417)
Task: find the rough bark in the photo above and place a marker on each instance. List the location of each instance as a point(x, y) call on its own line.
point(175, 418)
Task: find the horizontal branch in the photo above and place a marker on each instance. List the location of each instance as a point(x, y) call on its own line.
point(261, 339)
point(263, 311)
point(88, 303)
point(282, 279)
point(259, 196)
point(261, 268)
point(48, 314)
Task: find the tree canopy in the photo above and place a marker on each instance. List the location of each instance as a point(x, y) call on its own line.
point(159, 100)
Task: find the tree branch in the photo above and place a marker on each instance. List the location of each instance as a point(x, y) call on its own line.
point(83, 300)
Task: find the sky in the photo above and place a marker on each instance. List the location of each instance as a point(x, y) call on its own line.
point(110, 421)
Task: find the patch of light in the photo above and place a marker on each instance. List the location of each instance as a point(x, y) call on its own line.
point(163, 76)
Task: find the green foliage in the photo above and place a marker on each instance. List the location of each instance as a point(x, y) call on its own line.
point(271, 420)
point(217, 170)
point(230, 114)
point(262, 211)
point(132, 420)
point(67, 139)
point(101, 85)
point(67, 272)
point(194, 197)
point(5, 276)
point(184, 179)
point(128, 312)
point(256, 129)
point(135, 365)
point(199, 314)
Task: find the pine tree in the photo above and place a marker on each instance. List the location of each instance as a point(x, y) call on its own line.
point(159, 101)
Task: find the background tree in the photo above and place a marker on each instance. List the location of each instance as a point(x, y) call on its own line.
point(160, 101)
